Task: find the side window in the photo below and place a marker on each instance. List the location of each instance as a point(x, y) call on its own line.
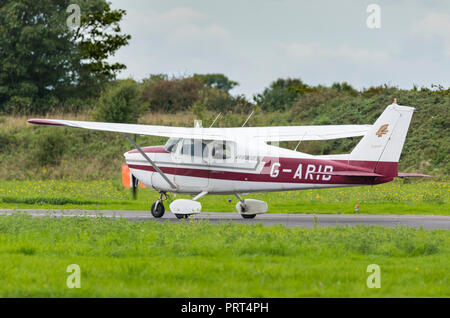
point(188, 148)
point(222, 150)
point(195, 148)
point(204, 148)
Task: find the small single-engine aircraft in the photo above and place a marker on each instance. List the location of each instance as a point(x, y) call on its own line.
point(200, 161)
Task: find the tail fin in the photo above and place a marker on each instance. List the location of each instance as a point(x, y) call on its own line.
point(384, 142)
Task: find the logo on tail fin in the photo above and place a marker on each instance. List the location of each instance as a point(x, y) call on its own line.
point(383, 130)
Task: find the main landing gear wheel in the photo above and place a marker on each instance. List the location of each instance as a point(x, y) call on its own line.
point(246, 216)
point(182, 216)
point(158, 209)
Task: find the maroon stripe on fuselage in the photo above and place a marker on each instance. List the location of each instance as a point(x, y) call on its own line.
point(388, 169)
point(385, 168)
point(290, 165)
point(151, 149)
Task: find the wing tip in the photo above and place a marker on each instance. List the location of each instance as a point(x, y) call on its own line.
point(36, 121)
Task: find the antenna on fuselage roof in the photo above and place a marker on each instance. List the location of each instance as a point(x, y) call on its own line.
point(248, 118)
point(214, 121)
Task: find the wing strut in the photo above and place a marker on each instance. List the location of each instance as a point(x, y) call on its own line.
point(248, 118)
point(173, 186)
point(212, 124)
point(300, 141)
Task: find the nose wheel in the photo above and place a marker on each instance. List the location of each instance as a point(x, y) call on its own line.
point(157, 208)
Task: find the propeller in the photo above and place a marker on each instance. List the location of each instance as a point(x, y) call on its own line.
point(134, 186)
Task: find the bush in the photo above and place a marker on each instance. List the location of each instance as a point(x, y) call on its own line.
point(281, 94)
point(173, 95)
point(218, 100)
point(19, 105)
point(119, 103)
point(49, 147)
point(216, 80)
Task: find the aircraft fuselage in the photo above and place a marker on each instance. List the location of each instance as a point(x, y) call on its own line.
point(263, 173)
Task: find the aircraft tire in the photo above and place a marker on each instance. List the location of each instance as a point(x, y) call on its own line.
point(157, 210)
point(181, 216)
point(246, 216)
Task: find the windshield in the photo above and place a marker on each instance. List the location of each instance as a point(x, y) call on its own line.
point(170, 145)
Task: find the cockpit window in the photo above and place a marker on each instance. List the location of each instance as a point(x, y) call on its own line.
point(170, 145)
point(197, 148)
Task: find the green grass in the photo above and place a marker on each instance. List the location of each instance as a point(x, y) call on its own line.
point(391, 198)
point(119, 258)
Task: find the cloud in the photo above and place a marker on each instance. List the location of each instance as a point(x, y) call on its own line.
point(178, 16)
point(435, 27)
point(254, 45)
point(317, 52)
point(184, 25)
point(202, 33)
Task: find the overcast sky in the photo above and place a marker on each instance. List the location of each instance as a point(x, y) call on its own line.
point(256, 42)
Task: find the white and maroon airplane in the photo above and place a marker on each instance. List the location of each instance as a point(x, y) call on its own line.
point(200, 161)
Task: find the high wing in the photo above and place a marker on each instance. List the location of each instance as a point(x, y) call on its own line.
point(280, 133)
point(291, 133)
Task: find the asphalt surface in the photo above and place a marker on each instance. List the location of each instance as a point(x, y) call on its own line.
point(291, 220)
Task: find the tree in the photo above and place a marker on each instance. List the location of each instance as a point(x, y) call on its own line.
point(220, 101)
point(344, 87)
point(119, 103)
point(216, 80)
point(97, 38)
point(43, 61)
point(281, 94)
point(170, 95)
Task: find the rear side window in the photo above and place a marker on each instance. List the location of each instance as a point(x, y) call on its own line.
point(222, 150)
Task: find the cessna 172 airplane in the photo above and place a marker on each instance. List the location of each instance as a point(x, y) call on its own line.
point(200, 161)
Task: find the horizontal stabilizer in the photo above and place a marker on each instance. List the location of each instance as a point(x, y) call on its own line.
point(413, 175)
point(351, 174)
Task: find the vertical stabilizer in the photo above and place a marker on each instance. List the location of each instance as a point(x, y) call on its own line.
point(384, 142)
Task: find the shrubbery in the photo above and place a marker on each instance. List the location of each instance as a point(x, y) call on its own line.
point(49, 147)
point(163, 94)
point(119, 103)
point(170, 95)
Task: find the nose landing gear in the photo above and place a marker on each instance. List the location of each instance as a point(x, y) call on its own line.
point(157, 208)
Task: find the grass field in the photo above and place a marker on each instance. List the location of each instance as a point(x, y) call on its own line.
point(118, 258)
point(391, 198)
